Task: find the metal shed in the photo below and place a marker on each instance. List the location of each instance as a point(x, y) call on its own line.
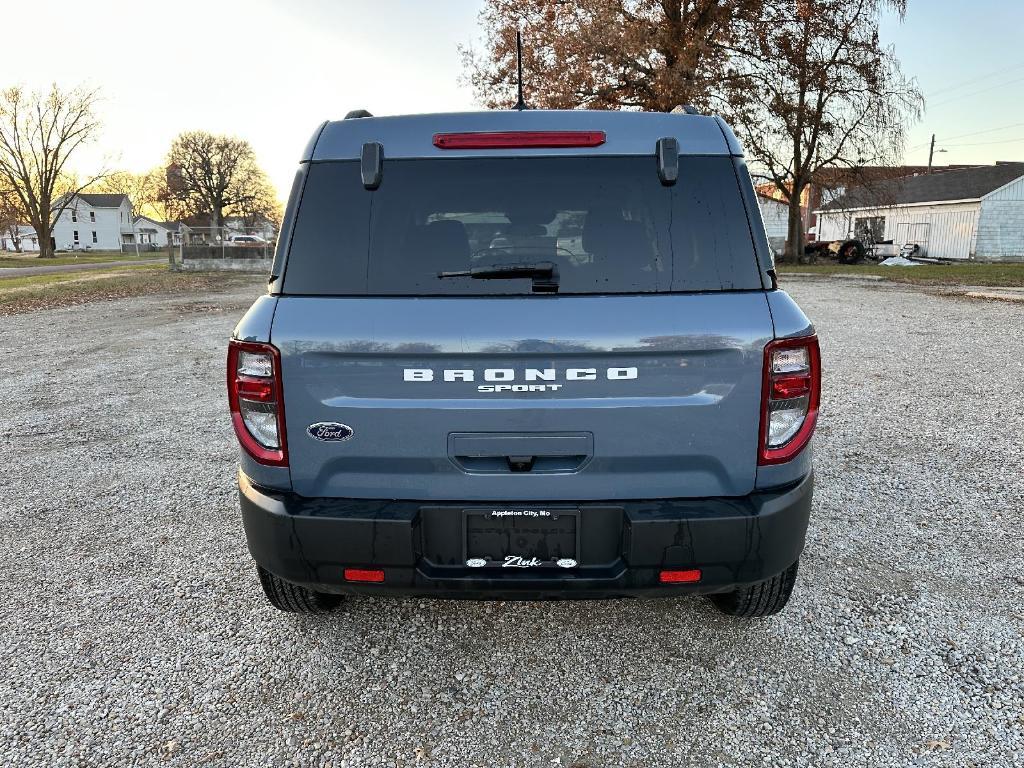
point(966, 213)
point(775, 214)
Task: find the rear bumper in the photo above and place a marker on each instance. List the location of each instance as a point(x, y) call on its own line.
point(623, 544)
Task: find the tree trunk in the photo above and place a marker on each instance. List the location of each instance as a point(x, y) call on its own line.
point(42, 222)
point(46, 250)
point(795, 231)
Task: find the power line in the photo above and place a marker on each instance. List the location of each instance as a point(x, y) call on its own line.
point(986, 143)
point(987, 130)
point(972, 80)
point(946, 139)
point(963, 96)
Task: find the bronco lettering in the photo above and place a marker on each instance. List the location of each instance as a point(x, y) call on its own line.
point(509, 375)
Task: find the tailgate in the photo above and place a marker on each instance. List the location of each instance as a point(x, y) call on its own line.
point(524, 398)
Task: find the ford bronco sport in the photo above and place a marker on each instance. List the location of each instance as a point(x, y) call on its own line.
point(525, 354)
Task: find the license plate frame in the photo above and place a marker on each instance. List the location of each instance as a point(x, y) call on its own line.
point(547, 552)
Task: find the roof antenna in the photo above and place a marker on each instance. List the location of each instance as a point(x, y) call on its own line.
point(521, 103)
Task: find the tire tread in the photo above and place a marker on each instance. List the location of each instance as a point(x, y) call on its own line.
point(765, 598)
point(293, 598)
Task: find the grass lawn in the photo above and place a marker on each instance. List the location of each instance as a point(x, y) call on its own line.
point(24, 294)
point(1004, 275)
point(14, 260)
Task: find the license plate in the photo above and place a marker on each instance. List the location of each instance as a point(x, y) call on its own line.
point(520, 537)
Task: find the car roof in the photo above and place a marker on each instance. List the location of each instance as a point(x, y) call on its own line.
point(626, 133)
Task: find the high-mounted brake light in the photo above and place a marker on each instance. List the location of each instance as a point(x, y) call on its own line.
point(790, 394)
point(518, 139)
point(255, 398)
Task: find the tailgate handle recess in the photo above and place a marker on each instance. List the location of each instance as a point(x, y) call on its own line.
point(486, 453)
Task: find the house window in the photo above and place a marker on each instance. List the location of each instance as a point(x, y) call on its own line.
point(76, 235)
point(94, 236)
point(92, 215)
point(828, 195)
point(74, 215)
point(869, 228)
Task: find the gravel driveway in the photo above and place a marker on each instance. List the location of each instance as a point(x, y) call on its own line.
point(133, 631)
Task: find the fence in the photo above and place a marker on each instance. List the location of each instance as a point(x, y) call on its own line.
point(235, 249)
point(141, 247)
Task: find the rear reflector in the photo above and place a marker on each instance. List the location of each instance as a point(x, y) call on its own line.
point(364, 574)
point(518, 139)
point(786, 387)
point(255, 389)
point(691, 576)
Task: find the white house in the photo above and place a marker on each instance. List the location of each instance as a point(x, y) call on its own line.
point(94, 222)
point(962, 213)
point(21, 237)
point(178, 231)
point(152, 232)
point(159, 233)
point(775, 214)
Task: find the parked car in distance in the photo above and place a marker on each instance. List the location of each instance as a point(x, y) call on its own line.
point(526, 354)
point(245, 240)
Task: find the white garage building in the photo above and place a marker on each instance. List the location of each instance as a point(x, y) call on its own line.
point(19, 237)
point(965, 213)
point(775, 214)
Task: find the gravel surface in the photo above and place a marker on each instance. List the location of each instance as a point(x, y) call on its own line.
point(133, 631)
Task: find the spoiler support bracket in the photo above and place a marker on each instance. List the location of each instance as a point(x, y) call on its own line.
point(371, 164)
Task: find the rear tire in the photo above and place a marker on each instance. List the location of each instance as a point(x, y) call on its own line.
point(764, 598)
point(292, 598)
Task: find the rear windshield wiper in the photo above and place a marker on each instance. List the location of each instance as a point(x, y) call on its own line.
point(543, 273)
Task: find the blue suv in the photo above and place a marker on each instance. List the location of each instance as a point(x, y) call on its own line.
point(526, 354)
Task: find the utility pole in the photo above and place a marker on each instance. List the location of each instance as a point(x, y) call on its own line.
point(931, 153)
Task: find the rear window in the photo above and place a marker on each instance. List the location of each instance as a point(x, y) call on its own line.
point(606, 223)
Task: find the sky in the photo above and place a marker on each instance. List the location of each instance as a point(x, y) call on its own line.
point(271, 71)
point(968, 59)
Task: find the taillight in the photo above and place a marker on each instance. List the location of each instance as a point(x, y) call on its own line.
point(518, 139)
point(257, 406)
point(789, 398)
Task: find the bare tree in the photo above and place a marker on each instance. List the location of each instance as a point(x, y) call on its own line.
point(216, 176)
point(264, 207)
point(605, 54)
point(39, 132)
point(812, 88)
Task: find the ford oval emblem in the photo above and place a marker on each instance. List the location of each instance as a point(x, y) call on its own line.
point(329, 431)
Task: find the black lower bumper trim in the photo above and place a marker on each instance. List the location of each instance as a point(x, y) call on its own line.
point(623, 544)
